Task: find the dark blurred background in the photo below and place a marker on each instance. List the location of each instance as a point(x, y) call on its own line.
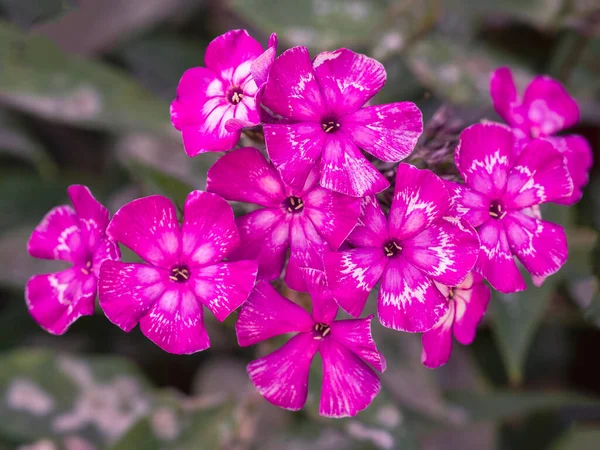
point(85, 88)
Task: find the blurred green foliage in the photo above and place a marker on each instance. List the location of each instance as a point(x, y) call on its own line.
point(101, 117)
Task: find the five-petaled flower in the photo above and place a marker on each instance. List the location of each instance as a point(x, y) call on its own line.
point(184, 270)
point(323, 122)
point(545, 109)
point(310, 221)
point(346, 346)
point(414, 247)
point(209, 97)
point(467, 304)
point(502, 188)
point(77, 236)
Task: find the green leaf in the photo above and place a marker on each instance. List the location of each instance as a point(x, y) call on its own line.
point(178, 422)
point(515, 318)
point(159, 60)
point(157, 182)
point(16, 142)
point(26, 13)
point(38, 78)
point(48, 394)
point(503, 405)
point(24, 198)
point(15, 272)
point(356, 24)
point(457, 72)
point(579, 438)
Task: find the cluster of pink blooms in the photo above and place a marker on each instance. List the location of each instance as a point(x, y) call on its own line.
point(315, 193)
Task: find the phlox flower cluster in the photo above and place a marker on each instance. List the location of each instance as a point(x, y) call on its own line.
point(317, 223)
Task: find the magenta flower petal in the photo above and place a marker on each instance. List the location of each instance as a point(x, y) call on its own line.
point(578, 155)
point(541, 246)
point(175, 322)
point(437, 342)
point(371, 230)
point(352, 274)
point(420, 198)
point(334, 215)
point(471, 305)
point(408, 299)
point(292, 90)
point(294, 149)
point(244, 175)
point(150, 228)
point(504, 94)
point(344, 169)
point(538, 176)
point(282, 376)
point(92, 215)
point(267, 314)
point(58, 236)
point(224, 287)
point(210, 134)
point(388, 132)
point(549, 107)
point(347, 79)
point(325, 308)
point(468, 204)
point(446, 251)
point(307, 248)
point(208, 233)
point(496, 262)
point(355, 335)
point(349, 384)
point(484, 157)
point(231, 50)
point(262, 65)
point(265, 234)
point(57, 300)
point(128, 290)
point(198, 86)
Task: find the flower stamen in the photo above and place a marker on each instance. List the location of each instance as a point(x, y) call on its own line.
point(323, 330)
point(330, 126)
point(87, 269)
point(235, 95)
point(294, 204)
point(179, 274)
point(391, 248)
point(496, 210)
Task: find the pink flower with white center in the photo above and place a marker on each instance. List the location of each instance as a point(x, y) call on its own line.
point(467, 304)
point(416, 246)
point(545, 109)
point(77, 236)
point(208, 97)
point(323, 122)
point(184, 270)
point(346, 348)
point(503, 186)
point(310, 221)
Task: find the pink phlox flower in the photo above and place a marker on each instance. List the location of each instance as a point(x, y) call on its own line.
point(323, 122)
point(77, 236)
point(308, 222)
point(183, 270)
point(209, 97)
point(467, 304)
point(346, 346)
point(503, 188)
point(415, 246)
point(545, 109)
